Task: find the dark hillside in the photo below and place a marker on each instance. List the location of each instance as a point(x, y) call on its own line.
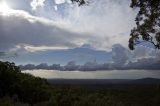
point(19, 89)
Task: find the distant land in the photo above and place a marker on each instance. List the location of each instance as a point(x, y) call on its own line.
point(142, 81)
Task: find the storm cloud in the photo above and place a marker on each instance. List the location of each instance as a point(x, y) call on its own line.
point(122, 59)
point(20, 29)
point(70, 25)
point(104, 25)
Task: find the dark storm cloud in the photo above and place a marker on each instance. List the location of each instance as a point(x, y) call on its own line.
point(7, 55)
point(22, 29)
point(144, 64)
point(123, 59)
point(119, 55)
point(70, 66)
point(2, 54)
point(142, 58)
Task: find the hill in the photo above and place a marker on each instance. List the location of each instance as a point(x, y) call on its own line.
point(104, 81)
point(146, 81)
point(19, 89)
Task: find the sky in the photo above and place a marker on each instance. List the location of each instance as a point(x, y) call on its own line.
point(59, 32)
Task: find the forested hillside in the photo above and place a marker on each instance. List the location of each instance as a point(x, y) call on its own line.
point(19, 89)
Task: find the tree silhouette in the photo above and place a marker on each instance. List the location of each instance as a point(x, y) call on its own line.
point(80, 2)
point(147, 23)
point(25, 87)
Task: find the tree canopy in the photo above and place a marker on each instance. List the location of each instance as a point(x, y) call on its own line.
point(147, 23)
point(23, 87)
point(80, 2)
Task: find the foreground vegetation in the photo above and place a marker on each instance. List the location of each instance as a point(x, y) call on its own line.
point(19, 89)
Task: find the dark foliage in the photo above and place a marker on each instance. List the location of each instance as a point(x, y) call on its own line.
point(18, 89)
point(24, 87)
point(148, 23)
point(80, 2)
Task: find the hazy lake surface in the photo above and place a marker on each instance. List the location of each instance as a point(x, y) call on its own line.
point(112, 74)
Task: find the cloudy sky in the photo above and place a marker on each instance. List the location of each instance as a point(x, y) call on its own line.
point(57, 31)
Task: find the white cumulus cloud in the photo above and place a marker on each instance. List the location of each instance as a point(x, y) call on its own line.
point(59, 1)
point(37, 3)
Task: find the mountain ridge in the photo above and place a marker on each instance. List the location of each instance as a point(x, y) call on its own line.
point(142, 81)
